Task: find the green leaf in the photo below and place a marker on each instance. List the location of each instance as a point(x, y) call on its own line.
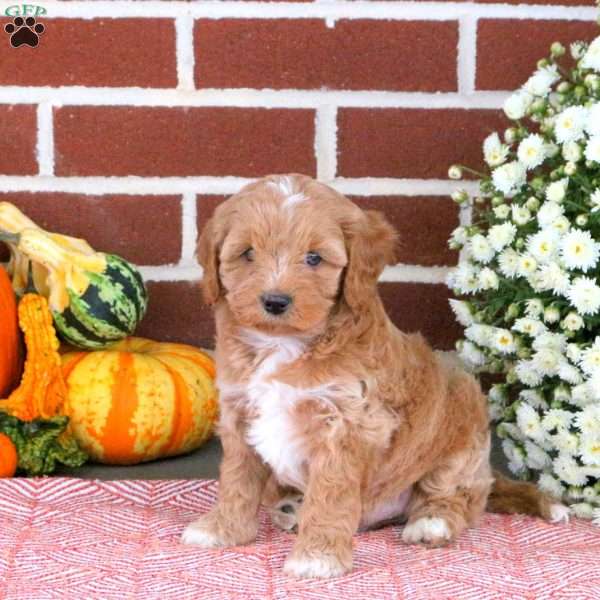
point(41, 444)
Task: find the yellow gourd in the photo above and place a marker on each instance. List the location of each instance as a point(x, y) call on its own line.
point(140, 400)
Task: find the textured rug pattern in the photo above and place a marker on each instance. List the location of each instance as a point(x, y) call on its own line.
point(72, 539)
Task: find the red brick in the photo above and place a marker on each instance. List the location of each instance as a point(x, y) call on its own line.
point(414, 143)
point(18, 132)
point(96, 52)
point(183, 141)
point(176, 313)
point(424, 225)
point(143, 229)
point(306, 54)
point(508, 50)
point(424, 308)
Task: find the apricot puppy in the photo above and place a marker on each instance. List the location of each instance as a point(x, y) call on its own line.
point(323, 399)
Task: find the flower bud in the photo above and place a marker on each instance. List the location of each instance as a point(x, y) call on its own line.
point(557, 49)
point(520, 243)
point(570, 168)
point(524, 353)
point(551, 314)
point(513, 311)
point(455, 172)
point(580, 91)
point(532, 203)
point(502, 211)
point(510, 135)
point(537, 183)
point(563, 87)
point(497, 200)
point(577, 50)
point(460, 196)
point(581, 220)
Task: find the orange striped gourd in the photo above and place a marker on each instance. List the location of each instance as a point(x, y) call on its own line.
point(140, 400)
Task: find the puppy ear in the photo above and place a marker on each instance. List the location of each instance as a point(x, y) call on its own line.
point(371, 244)
point(208, 255)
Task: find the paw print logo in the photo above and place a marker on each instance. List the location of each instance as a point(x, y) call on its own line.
point(24, 32)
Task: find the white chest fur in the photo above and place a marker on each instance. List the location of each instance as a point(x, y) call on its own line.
point(272, 431)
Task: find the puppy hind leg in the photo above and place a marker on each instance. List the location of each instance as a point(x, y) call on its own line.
point(448, 500)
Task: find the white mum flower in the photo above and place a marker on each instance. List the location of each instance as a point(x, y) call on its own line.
point(557, 190)
point(480, 334)
point(527, 374)
point(510, 177)
point(589, 450)
point(552, 341)
point(508, 262)
point(463, 312)
point(567, 469)
point(481, 249)
point(595, 200)
point(460, 235)
point(534, 307)
point(578, 49)
point(562, 225)
point(488, 279)
point(520, 214)
point(592, 149)
point(572, 152)
point(529, 422)
point(552, 277)
point(511, 430)
point(548, 213)
point(536, 457)
point(593, 384)
point(541, 82)
point(471, 354)
point(515, 455)
point(579, 250)
point(502, 211)
point(533, 398)
point(515, 107)
point(573, 352)
point(593, 124)
point(465, 278)
point(589, 360)
point(591, 59)
point(570, 374)
point(584, 295)
point(494, 151)
point(547, 362)
point(527, 265)
point(543, 245)
point(588, 420)
point(529, 326)
point(581, 395)
point(502, 235)
point(573, 322)
point(565, 442)
point(556, 418)
point(570, 124)
point(502, 340)
point(549, 484)
point(497, 393)
point(532, 151)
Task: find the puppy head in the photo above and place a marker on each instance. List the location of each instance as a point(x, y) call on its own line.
point(286, 249)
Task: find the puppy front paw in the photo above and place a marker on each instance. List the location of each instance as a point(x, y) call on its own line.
point(316, 564)
point(203, 533)
point(431, 531)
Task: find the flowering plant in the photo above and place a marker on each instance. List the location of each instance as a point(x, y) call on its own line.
point(529, 277)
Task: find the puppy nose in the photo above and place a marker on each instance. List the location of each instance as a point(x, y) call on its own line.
point(276, 304)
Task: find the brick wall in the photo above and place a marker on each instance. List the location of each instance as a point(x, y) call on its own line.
point(132, 120)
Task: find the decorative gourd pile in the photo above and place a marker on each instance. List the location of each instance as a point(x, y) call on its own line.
point(127, 400)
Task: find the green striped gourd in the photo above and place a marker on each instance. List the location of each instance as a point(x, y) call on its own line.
point(96, 299)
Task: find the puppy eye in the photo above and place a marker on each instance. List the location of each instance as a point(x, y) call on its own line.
point(249, 254)
point(312, 259)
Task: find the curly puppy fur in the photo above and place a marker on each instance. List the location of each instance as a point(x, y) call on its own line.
point(328, 399)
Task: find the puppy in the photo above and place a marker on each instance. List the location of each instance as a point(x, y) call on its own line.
point(328, 411)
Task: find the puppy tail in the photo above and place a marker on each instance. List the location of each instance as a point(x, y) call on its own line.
point(520, 497)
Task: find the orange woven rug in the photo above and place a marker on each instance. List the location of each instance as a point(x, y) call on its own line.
point(72, 539)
